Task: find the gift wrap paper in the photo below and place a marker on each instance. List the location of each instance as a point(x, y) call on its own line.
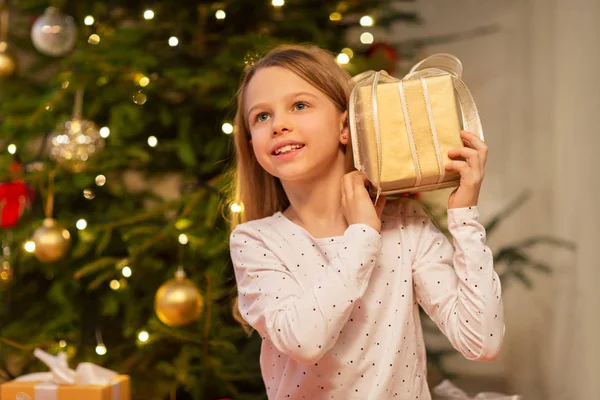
point(119, 388)
point(418, 116)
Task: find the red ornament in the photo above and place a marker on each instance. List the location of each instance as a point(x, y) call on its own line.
point(15, 197)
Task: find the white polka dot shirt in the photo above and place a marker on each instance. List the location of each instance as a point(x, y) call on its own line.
point(339, 316)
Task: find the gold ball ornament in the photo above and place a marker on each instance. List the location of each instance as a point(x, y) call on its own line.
point(178, 301)
point(51, 240)
point(8, 65)
point(74, 143)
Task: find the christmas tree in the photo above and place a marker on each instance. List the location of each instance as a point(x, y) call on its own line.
point(114, 123)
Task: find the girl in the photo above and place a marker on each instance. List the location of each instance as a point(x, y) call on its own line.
point(331, 281)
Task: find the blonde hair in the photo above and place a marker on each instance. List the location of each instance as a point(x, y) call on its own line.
point(259, 193)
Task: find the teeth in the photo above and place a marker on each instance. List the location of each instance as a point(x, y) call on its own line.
point(287, 148)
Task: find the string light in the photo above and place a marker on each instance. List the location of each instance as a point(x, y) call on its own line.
point(278, 3)
point(343, 58)
point(94, 39)
point(114, 284)
point(152, 141)
point(104, 132)
point(81, 224)
point(143, 336)
point(335, 16)
point(348, 51)
point(88, 194)
point(100, 348)
point(29, 246)
point(62, 343)
point(126, 271)
point(366, 38)
point(100, 180)
point(12, 148)
point(148, 15)
point(144, 81)
point(89, 20)
point(227, 128)
point(220, 14)
point(236, 208)
point(183, 239)
point(173, 41)
point(366, 21)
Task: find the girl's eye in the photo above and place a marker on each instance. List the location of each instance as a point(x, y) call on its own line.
point(300, 106)
point(262, 117)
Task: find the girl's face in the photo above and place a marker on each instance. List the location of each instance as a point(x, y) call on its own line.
point(284, 109)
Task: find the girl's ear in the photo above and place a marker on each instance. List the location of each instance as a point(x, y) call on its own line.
point(344, 127)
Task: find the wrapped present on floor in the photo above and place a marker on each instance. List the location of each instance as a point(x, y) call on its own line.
point(87, 382)
point(402, 130)
point(447, 391)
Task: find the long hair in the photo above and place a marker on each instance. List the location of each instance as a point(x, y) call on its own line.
point(258, 193)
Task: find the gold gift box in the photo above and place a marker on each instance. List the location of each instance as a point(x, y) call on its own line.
point(402, 130)
point(10, 390)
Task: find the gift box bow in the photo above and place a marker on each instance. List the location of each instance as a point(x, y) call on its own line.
point(447, 391)
point(60, 373)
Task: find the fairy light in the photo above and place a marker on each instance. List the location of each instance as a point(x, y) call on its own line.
point(227, 128)
point(366, 38)
point(100, 347)
point(12, 148)
point(104, 132)
point(220, 14)
point(144, 81)
point(62, 343)
point(278, 3)
point(348, 51)
point(81, 224)
point(88, 194)
point(343, 58)
point(148, 15)
point(94, 39)
point(89, 20)
point(114, 284)
point(100, 180)
point(183, 239)
point(173, 41)
point(143, 336)
point(152, 141)
point(335, 16)
point(236, 207)
point(366, 21)
point(126, 271)
point(29, 246)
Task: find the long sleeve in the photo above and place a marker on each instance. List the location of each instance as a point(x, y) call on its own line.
point(458, 287)
point(302, 322)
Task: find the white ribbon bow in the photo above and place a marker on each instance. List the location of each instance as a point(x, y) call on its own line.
point(60, 373)
point(447, 391)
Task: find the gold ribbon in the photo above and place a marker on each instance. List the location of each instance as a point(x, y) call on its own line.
point(435, 65)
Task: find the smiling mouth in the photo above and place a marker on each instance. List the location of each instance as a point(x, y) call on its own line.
point(287, 149)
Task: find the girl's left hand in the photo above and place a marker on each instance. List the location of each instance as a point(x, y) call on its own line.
point(471, 170)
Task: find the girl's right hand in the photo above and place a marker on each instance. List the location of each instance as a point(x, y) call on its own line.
point(357, 205)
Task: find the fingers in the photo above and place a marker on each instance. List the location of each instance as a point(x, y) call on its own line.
point(468, 175)
point(354, 183)
point(473, 141)
point(464, 152)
